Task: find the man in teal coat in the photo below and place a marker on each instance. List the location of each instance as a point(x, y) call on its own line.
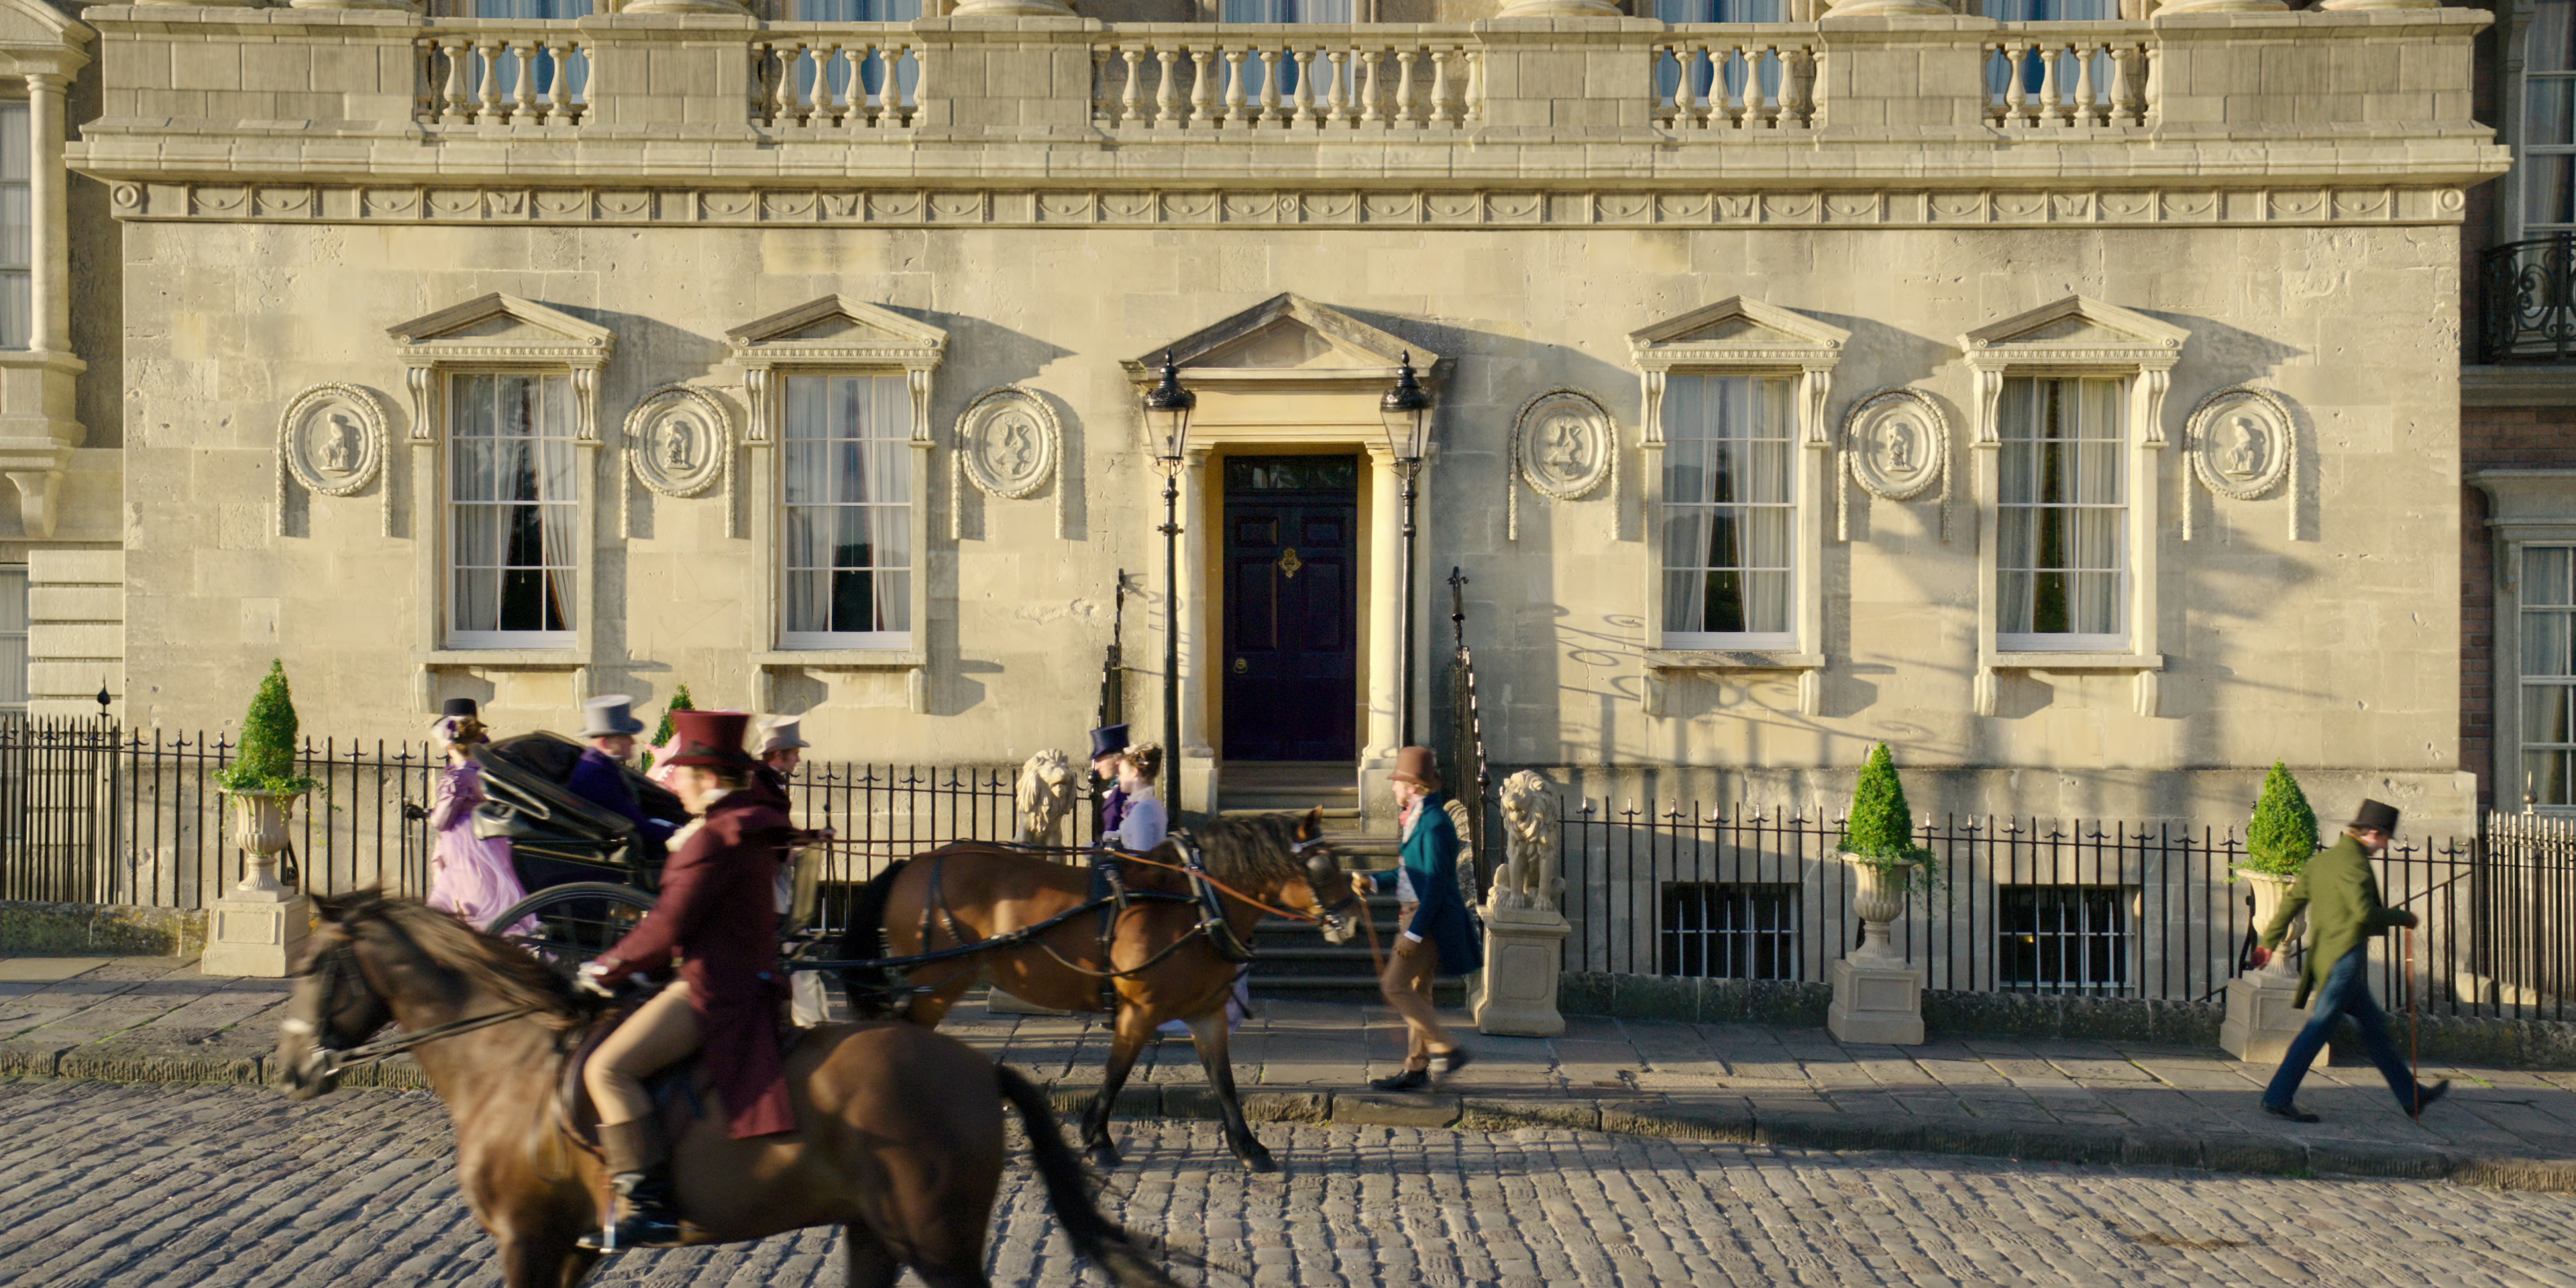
point(2341, 897)
point(1438, 936)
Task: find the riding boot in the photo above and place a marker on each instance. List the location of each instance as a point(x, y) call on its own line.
point(647, 1214)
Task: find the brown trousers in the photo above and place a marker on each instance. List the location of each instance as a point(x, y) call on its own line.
point(660, 1033)
point(1407, 985)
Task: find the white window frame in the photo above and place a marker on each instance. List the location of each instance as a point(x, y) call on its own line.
point(1785, 639)
point(2037, 641)
point(835, 335)
point(2526, 508)
point(24, 634)
point(458, 637)
point(2075, 336)
point(1742, 337)
point(503, 333)
point(790, 639)
point(2512, 195)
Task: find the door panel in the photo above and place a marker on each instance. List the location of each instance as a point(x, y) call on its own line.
point(1291, 608)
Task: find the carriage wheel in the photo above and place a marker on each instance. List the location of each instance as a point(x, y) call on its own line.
point(575, 922)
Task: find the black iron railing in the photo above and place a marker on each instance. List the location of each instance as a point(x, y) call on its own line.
point(2093, 909)
point(1466, 749)
point(93, 814)
point(2527, 301)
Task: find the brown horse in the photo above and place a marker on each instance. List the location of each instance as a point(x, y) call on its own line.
point(899, 1134)
point(1164, 962)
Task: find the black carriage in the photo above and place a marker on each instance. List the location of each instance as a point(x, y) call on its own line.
point(588, 881)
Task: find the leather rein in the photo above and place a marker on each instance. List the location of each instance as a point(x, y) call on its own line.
point(329, 1060)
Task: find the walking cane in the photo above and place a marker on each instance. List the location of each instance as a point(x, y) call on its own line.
point(2414, 1031)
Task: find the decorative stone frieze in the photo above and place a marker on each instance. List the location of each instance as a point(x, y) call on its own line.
point(679, 443)
point(332, 440)
point(1007, 446)
point(1896, 445)
point(1580, 207)
point(1563, 447)
point(2243, 444)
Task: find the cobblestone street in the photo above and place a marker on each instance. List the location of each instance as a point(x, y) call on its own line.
point(212, 1187)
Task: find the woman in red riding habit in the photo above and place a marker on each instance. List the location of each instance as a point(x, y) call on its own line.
point(718, 913)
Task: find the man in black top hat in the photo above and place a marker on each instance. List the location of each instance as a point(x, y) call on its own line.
point(2341, 897)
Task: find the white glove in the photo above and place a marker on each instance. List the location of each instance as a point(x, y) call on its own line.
point(593, 978)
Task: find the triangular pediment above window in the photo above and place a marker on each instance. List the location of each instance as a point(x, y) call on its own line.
point(1286, 339)
point(2076, 331)
point(1736, 331)
point(503, 328)
point(838, 330)
point(35, 36)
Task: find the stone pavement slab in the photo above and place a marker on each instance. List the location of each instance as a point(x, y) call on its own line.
point(159, 1020)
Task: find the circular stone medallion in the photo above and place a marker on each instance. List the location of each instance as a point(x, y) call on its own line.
point(1897, 441)
point(2241, 442)
point(678, 439)
point(1007, 442)
point(333, 438)
point(1562, 445)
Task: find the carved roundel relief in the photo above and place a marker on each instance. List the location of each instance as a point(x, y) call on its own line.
point(1562, 445)
point(1007, 442)
point(678, 440)
point(333, 438)
point(2242, 442)
point(1897, 441)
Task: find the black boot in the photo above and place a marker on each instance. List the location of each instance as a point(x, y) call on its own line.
point(646, 1214)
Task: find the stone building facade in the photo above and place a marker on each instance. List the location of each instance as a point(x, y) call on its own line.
point(2076, 405)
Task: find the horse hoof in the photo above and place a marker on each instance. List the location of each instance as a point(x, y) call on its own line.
point(1104, 1156)
point(1259, 1162)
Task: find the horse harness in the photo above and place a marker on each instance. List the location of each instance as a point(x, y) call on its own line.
point(330, 1060)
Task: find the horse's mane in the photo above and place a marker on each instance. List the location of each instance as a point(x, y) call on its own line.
point(460, 949)
point(1260, 848)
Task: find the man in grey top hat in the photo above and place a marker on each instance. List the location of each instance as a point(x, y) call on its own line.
point(610, 726)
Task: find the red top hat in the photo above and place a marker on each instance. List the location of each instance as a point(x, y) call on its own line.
point(710, 739)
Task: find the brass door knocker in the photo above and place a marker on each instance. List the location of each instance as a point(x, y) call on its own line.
point(1289, 563)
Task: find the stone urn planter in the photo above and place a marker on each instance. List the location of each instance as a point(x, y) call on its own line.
point(1879, 892)
point(2268, 894)
point(260, 822)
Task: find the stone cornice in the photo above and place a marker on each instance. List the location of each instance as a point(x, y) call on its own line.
point(1418, 207)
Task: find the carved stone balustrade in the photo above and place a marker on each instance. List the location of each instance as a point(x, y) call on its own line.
point(2194, 116)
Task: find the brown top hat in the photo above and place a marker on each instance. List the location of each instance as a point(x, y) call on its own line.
point(1415, 765)
point(710, 739)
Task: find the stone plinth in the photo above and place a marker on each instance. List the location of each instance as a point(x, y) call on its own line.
point(1876, 999)
point(255, 932)
point(2261, 1018)
point(1524, 960)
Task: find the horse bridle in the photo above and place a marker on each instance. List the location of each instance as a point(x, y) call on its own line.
point(1329, 914)
point(326, 1060)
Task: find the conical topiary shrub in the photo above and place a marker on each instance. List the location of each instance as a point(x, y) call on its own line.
point(265, 761)
point(662, 732)
point(1880, 829)
point(2284, 831)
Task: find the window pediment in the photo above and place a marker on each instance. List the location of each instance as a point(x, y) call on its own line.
point(2077, 331)
point(502, 328)
point(1736, 331)
point(838, 331)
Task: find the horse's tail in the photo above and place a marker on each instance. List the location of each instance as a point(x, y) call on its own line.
point(874, 992)
point(1094, 1236)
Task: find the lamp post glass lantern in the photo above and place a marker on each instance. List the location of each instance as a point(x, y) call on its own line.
point(1406, 409)
point(1167, 416)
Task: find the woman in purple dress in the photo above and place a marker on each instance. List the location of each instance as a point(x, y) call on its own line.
point(469, 876)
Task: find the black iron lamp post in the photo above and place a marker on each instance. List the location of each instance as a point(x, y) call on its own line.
point(1167, 417)
point(1407, 412)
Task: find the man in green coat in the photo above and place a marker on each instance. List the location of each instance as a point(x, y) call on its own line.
point(2341, 898)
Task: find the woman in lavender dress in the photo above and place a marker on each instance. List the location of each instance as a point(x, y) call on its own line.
point(469, 875)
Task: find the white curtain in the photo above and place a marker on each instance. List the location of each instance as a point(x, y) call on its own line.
point(558, 500)
point(2062, 527)
point(848, 521)
point(1729, 517)
point(480, 527)
point(17, 229)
